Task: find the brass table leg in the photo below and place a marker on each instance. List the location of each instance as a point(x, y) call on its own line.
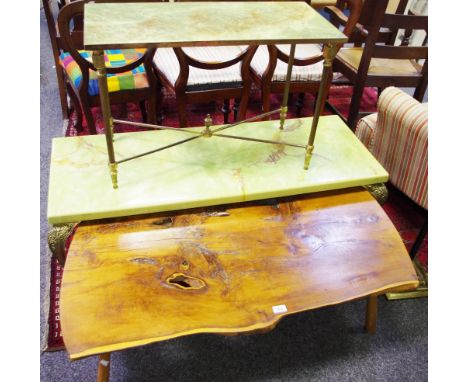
point(371, 313)
point(103, 367)
point(98, 61)
point(329, 53)
point(284, 106)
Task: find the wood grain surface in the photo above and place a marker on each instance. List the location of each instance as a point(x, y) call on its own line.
point(134, 281)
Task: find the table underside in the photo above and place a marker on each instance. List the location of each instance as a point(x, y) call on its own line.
point(230, 269)
point(138, 25)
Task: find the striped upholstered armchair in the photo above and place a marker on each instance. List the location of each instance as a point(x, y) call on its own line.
point(397, 136)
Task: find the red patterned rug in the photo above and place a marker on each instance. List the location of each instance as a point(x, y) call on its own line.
point(339, 97)
point(407, 217)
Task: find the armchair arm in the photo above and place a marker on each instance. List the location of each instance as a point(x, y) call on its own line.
point(365, 130)
point(401, 142)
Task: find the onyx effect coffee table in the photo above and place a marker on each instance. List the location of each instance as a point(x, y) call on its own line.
point(202, 173)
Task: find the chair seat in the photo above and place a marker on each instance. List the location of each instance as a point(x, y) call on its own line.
point(299, 73)
point(202, 79)
point(134, 79)
point(380, 66)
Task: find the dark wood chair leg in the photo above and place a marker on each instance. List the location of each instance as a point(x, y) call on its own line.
point(299, 104)
point(144, 115)
point(103, 367)
point(244, 102)
point(152, 110)
point(76, 105)
point(266, 100)
point(63, 93)
point(89, 117)
point(371, 313)
point(420, 91)
point(181, 109)
point(235, 108)
point(226, 110)
point(159, 104)
point(79, 119)
point(417, 244)
point(355, 103)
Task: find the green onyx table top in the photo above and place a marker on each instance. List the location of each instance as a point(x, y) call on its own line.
point(130, 25)
point(207, 171)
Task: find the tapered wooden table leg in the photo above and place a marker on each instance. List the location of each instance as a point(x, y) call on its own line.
point(103, 368)
point(371, 314)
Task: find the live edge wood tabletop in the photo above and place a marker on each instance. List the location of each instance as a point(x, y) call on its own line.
point(226, 269)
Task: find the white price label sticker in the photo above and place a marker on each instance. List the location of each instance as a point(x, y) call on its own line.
point(277, 309)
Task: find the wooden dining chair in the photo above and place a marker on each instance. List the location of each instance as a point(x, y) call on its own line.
point(49, 11)
point(130, 72)
point(203, 74)
point(269, 65)
point(384, 62)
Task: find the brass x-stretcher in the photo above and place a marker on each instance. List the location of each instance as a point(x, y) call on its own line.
point(329, 52)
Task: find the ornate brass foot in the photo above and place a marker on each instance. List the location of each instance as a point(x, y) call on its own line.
point(208, 122)
point(308, 156)
point(57, 238)
point(421, 291)
point(378, 191)
point(113, 174)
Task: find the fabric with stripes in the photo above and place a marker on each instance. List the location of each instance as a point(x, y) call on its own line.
point(167, 63)
point(299, 73)
point(365, 129)
point(398, 138)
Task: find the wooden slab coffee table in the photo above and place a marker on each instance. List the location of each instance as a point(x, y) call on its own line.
point(226, 269)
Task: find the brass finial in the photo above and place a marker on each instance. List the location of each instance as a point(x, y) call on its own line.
point(113, 174)
point(308, 156)
point(208, 122)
